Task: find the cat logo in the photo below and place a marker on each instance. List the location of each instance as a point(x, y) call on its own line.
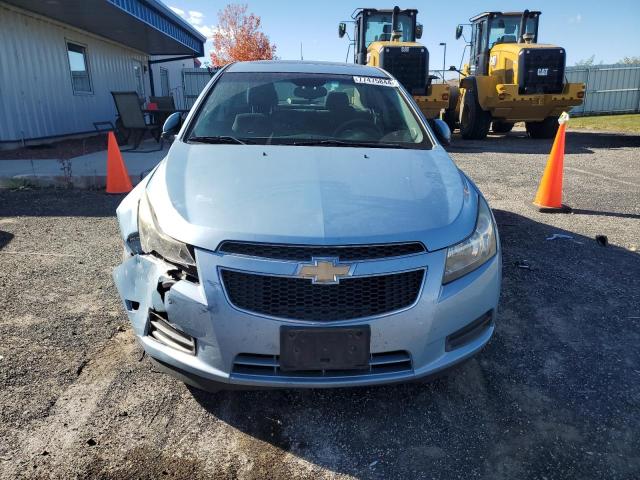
point(542, 72)
point(404, 49)
point(493, 60)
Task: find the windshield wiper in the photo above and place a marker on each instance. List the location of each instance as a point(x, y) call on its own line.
point(217, 140)
point(345, 143)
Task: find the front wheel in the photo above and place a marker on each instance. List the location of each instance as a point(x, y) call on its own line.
point(474, 121)
point(547, 128)
point(501, 127)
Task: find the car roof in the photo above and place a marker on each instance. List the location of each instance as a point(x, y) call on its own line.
point(301, 66)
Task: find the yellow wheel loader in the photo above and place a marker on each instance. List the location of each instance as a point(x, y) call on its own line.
point(510, 78)
point(387, 39)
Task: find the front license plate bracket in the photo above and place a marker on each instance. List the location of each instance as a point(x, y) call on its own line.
point(324, 348)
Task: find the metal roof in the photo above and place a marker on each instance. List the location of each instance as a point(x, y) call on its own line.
point(298, 66)
point(359, 11)
point(506, 14)
point(146, 25)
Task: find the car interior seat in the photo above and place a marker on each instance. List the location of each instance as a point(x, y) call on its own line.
point(251, 125)
point(262, 98)
point(262, 101)
point(338, 102)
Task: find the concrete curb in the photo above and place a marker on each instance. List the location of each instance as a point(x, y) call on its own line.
point(86, 182)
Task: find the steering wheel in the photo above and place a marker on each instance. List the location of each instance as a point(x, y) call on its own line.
point(357, 125)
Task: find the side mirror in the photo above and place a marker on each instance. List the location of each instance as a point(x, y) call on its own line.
point(458, 31)
point(342, 29)
point(419, 29)
point(442, 131)
point(171, 125)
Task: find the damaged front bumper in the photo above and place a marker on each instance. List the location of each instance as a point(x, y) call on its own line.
point(191, 328)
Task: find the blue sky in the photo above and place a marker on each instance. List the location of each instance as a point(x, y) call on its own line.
point(584, 28)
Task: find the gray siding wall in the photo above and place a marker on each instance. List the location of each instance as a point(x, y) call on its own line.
point(36, 95)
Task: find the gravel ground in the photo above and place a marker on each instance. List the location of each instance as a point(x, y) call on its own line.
point(555, 394)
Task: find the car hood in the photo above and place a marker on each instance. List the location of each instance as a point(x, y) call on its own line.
point(205, 194)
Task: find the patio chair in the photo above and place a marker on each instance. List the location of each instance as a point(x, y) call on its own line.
point(131, 118)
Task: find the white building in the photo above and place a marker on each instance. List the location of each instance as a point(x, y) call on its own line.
point(61, 59)
point(167, 75)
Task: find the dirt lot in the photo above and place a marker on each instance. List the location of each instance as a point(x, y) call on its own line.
point(556, 393)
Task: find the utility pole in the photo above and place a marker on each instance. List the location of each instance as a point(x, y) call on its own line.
point(444, 60)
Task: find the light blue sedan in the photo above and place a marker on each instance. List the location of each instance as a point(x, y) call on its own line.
point(307, 229)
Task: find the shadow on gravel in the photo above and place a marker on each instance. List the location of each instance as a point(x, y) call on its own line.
point(543, 399)
point(58, 203)
point(599, 213)
point(5, 238)
point(519, 142)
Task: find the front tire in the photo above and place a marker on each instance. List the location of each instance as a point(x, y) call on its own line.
point(547, 128)
point(474, 121)
point(501, 127)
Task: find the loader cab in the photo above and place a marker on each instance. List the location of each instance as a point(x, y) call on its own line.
point(373, 25)
point(492, 28)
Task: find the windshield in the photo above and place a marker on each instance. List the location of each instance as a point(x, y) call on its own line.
point(506, 29)
point(379, 28)
point(295, 108)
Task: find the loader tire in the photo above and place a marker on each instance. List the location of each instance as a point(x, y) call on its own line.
point(501, 127)
point(547, 128)
point(450, 115)
point(451, 119)
point(474, 121)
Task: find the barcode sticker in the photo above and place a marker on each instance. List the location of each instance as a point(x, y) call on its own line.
point(384, 82)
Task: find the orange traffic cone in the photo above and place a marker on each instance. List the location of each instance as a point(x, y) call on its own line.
point(549, 196)
point(118, 180)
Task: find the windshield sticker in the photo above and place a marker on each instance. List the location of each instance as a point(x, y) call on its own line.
point(385, 82)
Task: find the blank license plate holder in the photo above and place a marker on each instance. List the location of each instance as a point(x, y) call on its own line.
point(332, 348)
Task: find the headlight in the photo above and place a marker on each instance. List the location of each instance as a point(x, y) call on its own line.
point(152, 239)
point(469, 254)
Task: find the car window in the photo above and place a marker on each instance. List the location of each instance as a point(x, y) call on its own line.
point(286, 108)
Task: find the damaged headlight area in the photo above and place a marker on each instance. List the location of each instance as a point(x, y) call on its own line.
point(476, 250)
point(154, 241)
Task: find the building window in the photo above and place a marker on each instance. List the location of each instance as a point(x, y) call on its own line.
point(79, 66)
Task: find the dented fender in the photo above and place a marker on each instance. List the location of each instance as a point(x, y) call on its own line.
point(134, 279)
point(185, 303)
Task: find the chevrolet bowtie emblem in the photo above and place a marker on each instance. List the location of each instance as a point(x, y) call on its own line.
point(324, 271)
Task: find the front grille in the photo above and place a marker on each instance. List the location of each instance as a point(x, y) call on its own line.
point(269, 365)
point(541, 70)
point(301, 253)
point(408, 64)
point(300, 299)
